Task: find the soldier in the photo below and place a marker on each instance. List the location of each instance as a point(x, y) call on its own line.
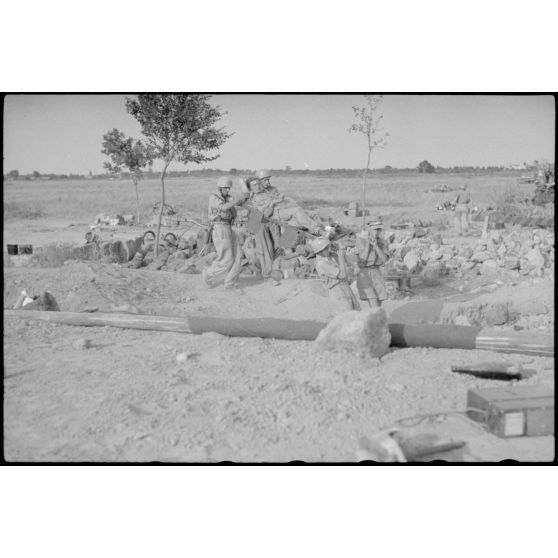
point(370, 256)
point(226, 266)
point(334, 275)
point(264, 178)
point(461, 216)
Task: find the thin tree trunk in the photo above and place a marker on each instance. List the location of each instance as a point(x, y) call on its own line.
point(137, 200)
point(161, 208)
point(364, 190)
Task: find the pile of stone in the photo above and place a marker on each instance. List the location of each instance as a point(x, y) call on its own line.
point(519, 252)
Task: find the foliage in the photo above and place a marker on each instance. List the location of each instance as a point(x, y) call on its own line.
point(426, 167)
point(125, 153)
point(13, 174)
point(369, 123)
point(177, 128)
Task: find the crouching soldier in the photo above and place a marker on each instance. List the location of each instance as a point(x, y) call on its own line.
point(333, 273)
point(226, 266)
point(370, 256)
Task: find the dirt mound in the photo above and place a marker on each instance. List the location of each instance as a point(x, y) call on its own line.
point(505, 305)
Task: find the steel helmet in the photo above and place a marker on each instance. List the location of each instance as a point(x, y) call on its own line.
point(319, 244)
point(262, 173)
point(224, 182)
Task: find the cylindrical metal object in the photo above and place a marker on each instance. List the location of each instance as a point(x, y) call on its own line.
point(402, 335)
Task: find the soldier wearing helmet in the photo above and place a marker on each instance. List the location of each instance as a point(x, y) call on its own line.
point(370, 256)
point(222, 211)
point(334, 275)
point(264, 180)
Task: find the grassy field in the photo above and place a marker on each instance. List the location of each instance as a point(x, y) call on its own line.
point(82, 200)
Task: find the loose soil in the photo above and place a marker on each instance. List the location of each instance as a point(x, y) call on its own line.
point(137, 396)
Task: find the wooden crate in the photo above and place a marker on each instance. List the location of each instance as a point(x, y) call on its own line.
point(513, 410)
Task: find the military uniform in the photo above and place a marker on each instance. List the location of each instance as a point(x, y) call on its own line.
point(226, 266)
point(461, 215)
point(339, 289)
point(370, 283)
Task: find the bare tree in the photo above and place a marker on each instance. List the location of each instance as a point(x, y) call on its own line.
point(368, 122)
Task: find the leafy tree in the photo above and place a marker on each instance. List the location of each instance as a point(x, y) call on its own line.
point(13, 174)
point(177, 128)
point(36, 174)
point(368, 122)
point(426, 167)
point(127, 153)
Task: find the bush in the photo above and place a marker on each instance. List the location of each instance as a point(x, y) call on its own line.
point(426, 167)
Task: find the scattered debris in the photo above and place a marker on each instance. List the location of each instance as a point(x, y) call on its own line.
point(514, 410)
point(44, 301)
point(495, 370)
point(380, 447)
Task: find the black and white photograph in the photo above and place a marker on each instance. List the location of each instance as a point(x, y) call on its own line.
point(256, 278)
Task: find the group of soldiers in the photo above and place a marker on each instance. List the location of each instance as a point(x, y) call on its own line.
point(272, 217)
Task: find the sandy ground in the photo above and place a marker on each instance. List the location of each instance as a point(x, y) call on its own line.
point(129, 398)
point(143, 396)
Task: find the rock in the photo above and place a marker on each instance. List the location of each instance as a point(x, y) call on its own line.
point(412, 261)
point(497, 314)
point(435, 255)
point(466, 252)
point(536, 258)
point(44, 301)
point(489, 267)
point(495, 237)
point(480, 256)
point(362, 333)
point(466, 266)
point(183, 357)
point(461, 320)
point(511, 262)
point(159, 262)
point(82, 343)
point(434, 270)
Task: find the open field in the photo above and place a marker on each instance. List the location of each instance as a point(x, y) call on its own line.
point(48, 207)
point(143, 396)
point(83, 199)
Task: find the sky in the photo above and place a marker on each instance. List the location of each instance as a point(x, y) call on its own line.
point(62, 134)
